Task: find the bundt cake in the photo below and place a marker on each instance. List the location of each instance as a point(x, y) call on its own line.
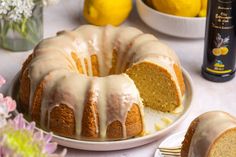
point(92, 82)
point(212, 134)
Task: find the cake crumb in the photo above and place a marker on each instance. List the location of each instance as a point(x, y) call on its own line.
point(159, 126)
point(167, 120)
point(179, 109)
point(144, 133)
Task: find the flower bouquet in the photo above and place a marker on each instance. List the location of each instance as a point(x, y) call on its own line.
point(21, 24)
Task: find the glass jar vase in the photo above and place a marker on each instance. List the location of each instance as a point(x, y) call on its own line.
point(23, 35)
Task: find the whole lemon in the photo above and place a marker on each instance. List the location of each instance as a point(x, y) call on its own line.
point(103, 12)
point(188, 8)
point(203, 10)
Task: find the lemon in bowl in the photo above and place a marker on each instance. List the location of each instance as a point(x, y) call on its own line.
point(173, 25)
point(103, 12)
point(186, 8)
point(203, 10)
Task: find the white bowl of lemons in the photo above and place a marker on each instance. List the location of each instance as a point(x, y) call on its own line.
point(178, 26)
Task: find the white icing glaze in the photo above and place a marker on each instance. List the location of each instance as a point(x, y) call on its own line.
point(37, 70)
point(153, 47)
point(210, 126)
point(109, 38)
point(137, 42)
point(71, 90)
point(114, 94)
point(49, 85)
point(123, 42)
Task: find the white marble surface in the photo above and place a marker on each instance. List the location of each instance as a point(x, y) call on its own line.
point(208, 95)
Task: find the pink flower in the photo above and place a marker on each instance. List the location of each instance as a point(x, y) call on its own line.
point(8, 103)
point(2, 81)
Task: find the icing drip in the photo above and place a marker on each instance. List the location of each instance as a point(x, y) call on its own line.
point(72, 91)
point(138, 41)
point(120, 98)
point(37, 70)
point(122, 44)
point(109, 38)
point(100, 87)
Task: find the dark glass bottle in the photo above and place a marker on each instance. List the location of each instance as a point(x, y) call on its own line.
point(220, 41)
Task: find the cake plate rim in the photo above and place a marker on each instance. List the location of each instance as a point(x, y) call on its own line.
point(119, 144)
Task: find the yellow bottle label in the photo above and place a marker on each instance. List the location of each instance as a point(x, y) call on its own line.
point(219, 72)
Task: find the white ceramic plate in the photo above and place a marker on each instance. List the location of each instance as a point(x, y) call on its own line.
point(184, 27)
point(129, 143)
point(174, 140)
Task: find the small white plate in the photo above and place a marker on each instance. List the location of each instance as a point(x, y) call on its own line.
point(173, 140)
point(128, 143)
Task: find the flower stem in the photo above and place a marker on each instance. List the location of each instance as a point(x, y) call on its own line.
point(23, 34)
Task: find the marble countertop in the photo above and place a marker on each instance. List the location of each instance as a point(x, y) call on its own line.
point(207, 95)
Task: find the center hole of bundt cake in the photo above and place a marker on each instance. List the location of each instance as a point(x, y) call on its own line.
point(91, 66)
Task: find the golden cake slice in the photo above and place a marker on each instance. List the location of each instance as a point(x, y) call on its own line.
point(212, 134)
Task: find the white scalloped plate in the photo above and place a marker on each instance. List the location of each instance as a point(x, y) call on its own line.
point(150, 119)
